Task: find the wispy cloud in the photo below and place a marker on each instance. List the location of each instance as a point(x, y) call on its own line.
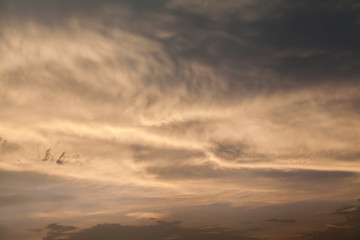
point(187, 102)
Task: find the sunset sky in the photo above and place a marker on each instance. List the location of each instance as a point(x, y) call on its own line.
point(179, 119)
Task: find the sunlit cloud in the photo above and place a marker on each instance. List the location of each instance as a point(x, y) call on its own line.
point(127, 111)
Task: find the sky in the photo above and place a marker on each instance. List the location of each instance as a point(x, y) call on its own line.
point(179, 119)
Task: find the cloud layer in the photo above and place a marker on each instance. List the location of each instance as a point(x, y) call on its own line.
point(128, 110)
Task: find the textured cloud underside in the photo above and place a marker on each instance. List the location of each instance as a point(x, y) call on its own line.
point(138, 108)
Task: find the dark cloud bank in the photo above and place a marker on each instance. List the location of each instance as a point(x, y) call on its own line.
point(288, 45)
point(161, 230)
point(349, 229)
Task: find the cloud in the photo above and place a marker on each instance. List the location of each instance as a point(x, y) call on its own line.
point(237, 151)
point(349, 228)
point(3, 232)
point(283, 27)
point(54, 227)
point(166, 155)
point(258, 184)
point(36, 230)
point(176, 103)
point(161, 230)
point(281, 220)
point(283, 24)
point(8, 147)
point(229, 152)
point(56, 231)
point(344, 210)
point(207, 170)
point(32, 198)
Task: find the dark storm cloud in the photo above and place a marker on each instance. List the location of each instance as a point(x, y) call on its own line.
point(161, 230)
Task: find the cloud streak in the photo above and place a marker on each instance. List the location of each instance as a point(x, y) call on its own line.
point(161, 230)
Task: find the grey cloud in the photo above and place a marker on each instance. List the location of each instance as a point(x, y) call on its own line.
point(229, 152)
point(123, 62)
point(303, 26)
point(4, 233)
point(59, 79)
point(36, 190)
point(237, 151)
point(280, 220)
point(344, 210)
point(347, 155)
point(36, 230)
point(208, 170)
point(8, 146)
point(56, 231)
point(301, 182)
point(342, 155)
point(54, 11)
point(19, 178)
point(29, 198)
point(33, 194)
point(302, 214)
point(347, 229)
point(228, 46)
point(190, 172)
point(59, 228)
point(196, 128)
point(161, 230)
point(329, 183)
point(314, 175)
point(166, 155)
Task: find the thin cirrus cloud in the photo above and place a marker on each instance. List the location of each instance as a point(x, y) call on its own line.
point(154, 106)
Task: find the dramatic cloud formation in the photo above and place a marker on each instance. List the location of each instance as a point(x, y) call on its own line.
point(236, 114)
